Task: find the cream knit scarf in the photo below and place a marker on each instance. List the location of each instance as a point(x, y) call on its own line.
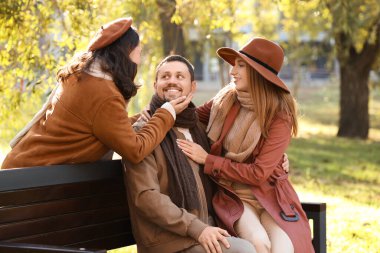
point(95, 70)
point(245, 133)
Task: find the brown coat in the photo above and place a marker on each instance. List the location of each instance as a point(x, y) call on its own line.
point(87, 118)
point(269, 183)
point(158, 224)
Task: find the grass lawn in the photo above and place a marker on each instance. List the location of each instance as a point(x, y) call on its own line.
point(344, 173)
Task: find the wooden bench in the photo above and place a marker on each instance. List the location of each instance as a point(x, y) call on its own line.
point(80, 208)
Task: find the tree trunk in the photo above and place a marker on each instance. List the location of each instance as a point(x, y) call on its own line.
point(296, 79)
point(172, 34)
point(222, 73)
point(354, 98)
point(355, 68)
point(223, 40)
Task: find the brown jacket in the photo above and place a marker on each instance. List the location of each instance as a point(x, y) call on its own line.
point(158, 224)
point(86, 119)
point(268, 181)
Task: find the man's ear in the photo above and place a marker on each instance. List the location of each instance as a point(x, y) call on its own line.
point(193, 86)
point(155, 85)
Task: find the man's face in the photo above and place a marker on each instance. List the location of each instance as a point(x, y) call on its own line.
point(173, 80)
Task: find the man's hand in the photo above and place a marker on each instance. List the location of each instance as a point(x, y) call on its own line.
point(210, 237)
point(285, 163)
point(181, 103)
point(193, 150)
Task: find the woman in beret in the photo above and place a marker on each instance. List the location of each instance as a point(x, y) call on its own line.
point(85, 116)
point(250, 123)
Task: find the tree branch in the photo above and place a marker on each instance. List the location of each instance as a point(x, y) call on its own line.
point(371, 50)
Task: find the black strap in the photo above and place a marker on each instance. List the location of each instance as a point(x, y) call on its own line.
point(259, 62)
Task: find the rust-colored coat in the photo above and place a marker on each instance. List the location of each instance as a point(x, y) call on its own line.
point(86, 119)
point(268, 181)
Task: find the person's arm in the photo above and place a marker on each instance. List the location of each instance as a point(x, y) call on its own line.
point(112, 127)
point(145, 195)
point(269, 158)
point(204, 112)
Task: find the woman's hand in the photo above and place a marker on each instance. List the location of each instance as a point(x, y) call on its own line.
point(194, 151)
point(181, 103)
point(145, 116)
point(285, 163)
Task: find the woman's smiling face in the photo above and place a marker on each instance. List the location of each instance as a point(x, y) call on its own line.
point(239, 72)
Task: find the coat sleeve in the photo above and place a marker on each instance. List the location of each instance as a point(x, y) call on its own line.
point(113, 128)
point(204, 112)
point(268, 159)
point(145, 196)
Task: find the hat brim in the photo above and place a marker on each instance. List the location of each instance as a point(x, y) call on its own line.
point(229, 55)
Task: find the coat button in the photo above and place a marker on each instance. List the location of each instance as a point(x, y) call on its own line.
point(215, 172)
point(271, 183)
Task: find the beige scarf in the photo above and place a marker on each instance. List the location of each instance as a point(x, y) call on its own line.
point(94, 70)
point(245, 133)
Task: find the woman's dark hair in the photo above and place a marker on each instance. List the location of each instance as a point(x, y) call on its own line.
point(114, 60)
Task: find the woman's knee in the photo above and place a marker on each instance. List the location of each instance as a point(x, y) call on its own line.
point(239, 245)
point(262, 246)
point(260, 241)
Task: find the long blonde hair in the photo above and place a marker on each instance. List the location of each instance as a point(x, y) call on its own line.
point(268, 100)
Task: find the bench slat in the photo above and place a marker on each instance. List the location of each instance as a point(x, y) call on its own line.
point(111, 242)
point(6, 247)
point(54, 192)
point(13, 179)
point(61, 222)
point(57, 207)
point(77, 235)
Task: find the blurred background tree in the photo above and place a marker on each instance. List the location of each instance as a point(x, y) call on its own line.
point(355, 26)
point(305, 31)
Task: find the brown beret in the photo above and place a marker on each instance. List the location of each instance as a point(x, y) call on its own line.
point(109, 32)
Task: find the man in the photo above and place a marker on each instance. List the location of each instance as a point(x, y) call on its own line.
point(169, 196)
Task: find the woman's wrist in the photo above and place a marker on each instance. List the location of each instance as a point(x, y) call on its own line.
point(169, 107)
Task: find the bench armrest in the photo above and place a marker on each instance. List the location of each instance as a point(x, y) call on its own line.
point(317, 213)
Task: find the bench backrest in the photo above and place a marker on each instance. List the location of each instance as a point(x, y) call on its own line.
point(80, 206)
point(66, 205)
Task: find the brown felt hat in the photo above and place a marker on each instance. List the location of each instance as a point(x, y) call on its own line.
point(109, 32)
point(265, 56)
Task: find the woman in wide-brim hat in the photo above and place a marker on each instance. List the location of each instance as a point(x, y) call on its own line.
point(85, 116)
point(250, 123)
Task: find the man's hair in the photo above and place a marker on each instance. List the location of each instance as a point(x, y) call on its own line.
point(113, 59)
point(172, 58)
